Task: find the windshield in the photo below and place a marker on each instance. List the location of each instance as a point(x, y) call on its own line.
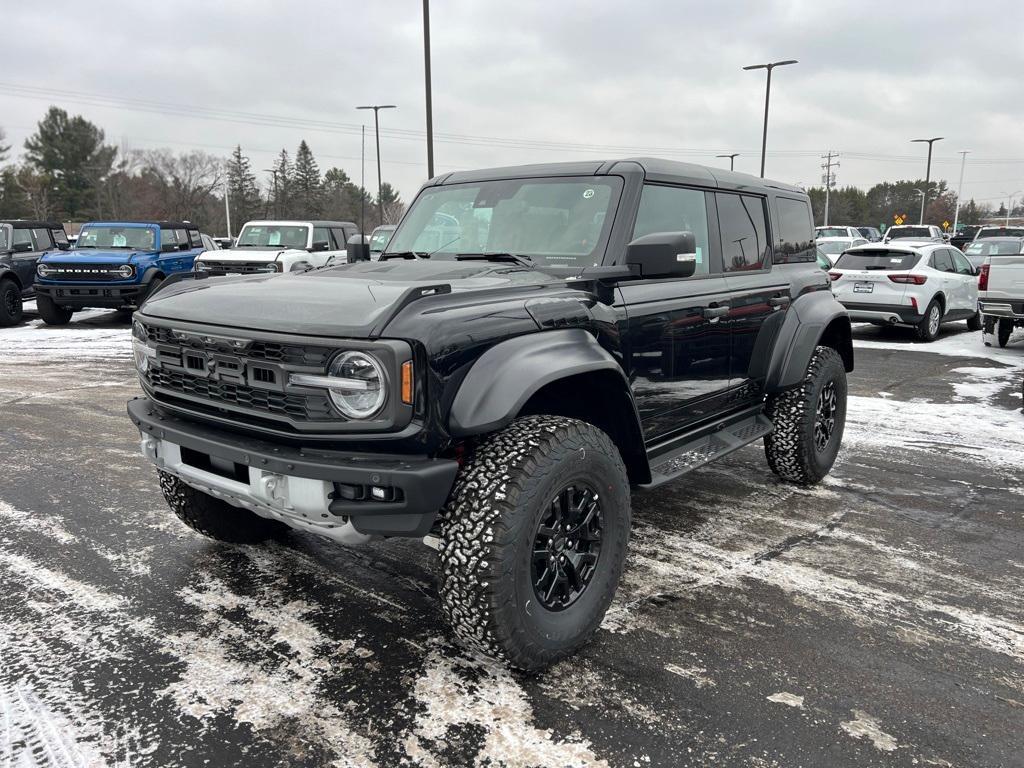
point(876, 259)
point(558, 221)
point(379, 240)
point(1001, 232)
point(994, 248)
point(273, 236)
point(107, 236)
point(833, 248)
point(909, 233)
point(831, 232)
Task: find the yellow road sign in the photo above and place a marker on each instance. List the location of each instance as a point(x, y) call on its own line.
point(899, 218)
point(945, 225)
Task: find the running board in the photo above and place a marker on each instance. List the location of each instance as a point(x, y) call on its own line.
point(703, 450)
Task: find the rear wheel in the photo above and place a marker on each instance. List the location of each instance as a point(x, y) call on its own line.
point(974, 322)
point(10, 303)
point(1003, 330)
point(214, 518)
point(808, 421)
point(51, 313)
point(534, 540)
point(928, 328)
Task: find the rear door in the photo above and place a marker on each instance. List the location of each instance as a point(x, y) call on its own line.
point(941, 260)
point(967, 289)
point(677, 343)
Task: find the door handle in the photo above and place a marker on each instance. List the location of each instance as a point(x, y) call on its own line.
point(779, 301)
point(716, 312)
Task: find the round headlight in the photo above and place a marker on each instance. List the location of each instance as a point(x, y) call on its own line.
point(125, 271)
point(362, 387)
point(141, 353)
point(201, 266)
point(44, 270)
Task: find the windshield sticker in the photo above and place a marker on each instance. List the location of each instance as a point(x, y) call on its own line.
point(700, 255)
point(587, 194)
point(896, 260)
point(274, 238)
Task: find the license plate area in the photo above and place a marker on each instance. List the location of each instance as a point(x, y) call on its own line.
point(863, 287)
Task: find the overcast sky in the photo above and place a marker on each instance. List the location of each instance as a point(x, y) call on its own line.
point(539, 80)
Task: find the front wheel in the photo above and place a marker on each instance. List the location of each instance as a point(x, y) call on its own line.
point(10, 303)
point(808, 421)
point(534, 540)
point(51, 313)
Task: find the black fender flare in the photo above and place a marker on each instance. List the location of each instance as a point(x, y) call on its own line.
point(7, 273)
point(150, 274)
point(810, 318)
point(504, 377)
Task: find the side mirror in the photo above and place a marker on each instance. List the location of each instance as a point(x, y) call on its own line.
point(320, 245)
point(358, 248)
point(664, 254)
point(21, 248)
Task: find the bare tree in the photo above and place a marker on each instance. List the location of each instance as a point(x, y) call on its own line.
point(38, 189)
point(185, 182)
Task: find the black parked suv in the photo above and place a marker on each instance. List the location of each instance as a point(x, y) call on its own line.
point(22, 242)
point(534, 343)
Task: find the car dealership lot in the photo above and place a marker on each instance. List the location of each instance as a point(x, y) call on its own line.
point(875, 619)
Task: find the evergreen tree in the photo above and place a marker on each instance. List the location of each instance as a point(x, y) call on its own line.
point(343, 200)
point(69, 155)
point(4, 148)
point(307, 188)
point(243, 192)
point(392, 204)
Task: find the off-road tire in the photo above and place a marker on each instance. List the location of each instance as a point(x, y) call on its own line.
point(926, 330)
point(51, 313)
point(790, 447)
point(500, 496)
point(1004, 328)
point(214, 518)
point(10, 303)
point(974, 322)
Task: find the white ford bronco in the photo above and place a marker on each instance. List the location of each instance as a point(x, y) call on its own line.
point(282, 246)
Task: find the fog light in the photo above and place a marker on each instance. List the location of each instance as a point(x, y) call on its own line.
point(378, 493)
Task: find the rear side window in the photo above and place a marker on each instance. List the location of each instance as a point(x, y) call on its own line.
point(674, 209)
point(195, 239)
point(941, 261)
point(741, 219)
point(41, 238)
point(963, 266)
point(796, 235)
point(340, 238)
point(59, 237)
point(877, 259)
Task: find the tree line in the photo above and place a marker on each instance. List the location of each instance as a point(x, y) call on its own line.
point(69, 173)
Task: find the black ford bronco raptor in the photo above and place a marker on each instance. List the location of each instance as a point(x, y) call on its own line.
point(533, 343)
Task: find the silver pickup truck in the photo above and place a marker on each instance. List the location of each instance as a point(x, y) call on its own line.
point(1001, 291)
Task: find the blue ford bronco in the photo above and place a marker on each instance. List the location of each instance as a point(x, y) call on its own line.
point(115, 264)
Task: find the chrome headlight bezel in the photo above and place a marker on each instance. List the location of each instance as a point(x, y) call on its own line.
point(342, 396)
point(44, 270)
point(141, 351)
point(126, 271)
point(200, 266)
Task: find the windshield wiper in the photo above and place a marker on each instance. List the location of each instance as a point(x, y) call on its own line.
point(403, 255)
point(516, 258)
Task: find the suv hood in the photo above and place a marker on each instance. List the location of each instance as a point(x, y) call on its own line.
point(355, 300)
point(94, 256)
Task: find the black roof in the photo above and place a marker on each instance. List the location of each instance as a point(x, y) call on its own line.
point(161, 224)
point(30, 223)
point(654, 169)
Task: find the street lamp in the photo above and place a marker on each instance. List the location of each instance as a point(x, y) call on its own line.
point(928, 171)
point(426, 73)
point(376, 128)
point(767, 95)
point(732, 159)
point(1009, 205)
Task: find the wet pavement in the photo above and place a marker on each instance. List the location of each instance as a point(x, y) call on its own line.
point(873, 620)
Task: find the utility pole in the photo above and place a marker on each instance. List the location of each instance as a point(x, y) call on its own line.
point(362, 188)
point(376, 127)
point(273, 171)
point(767, 95)
point(928, 170)
point(426, 73)
point(829, 179)
point(732, 159)
point(227, 208)
point(960, 187)
point(1009, 206)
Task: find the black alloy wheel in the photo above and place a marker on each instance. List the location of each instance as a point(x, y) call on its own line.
point(825, 417)
point(566, 546)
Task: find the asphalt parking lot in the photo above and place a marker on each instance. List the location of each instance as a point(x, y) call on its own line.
point(873, 620)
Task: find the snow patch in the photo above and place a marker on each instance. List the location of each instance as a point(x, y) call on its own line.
point(698, 675)
point(863, 726)
point(47, 525)
point(789, 699)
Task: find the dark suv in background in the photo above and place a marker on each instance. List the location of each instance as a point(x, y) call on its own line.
point(22, 243)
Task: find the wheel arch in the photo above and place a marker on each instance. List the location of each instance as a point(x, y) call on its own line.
point(6, 273)
point(814, 319)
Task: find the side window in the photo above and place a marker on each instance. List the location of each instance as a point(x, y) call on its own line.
point(194, 238)
point(339, 239)
point(963, 266)
point(742, 223)
point(182, 237)
point(168, 239)
point(674, 209)
point(23, 236)
point(941, 260)
point(41, 238)
point(796, 235)
point(59, 237)
point(321, 235)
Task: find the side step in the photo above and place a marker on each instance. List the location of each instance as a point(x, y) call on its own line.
point(707, 448)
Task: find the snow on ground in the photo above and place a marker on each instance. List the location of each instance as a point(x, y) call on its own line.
point(952, 342)
point(94, 333)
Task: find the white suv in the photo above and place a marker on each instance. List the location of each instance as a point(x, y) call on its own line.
point(919, 232)
point(922, 284)
point(281, 246)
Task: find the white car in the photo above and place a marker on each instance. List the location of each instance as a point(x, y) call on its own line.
point(834, 246)
point(829, 233)
point(920, 232)
point(281, 246)
point(921, 284)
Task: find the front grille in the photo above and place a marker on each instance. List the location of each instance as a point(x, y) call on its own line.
point(275, 352)
point(84, 272)
point(302, 407)
point(241, 267)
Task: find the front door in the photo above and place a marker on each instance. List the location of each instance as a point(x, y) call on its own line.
point(24, 261)
point(677, 342)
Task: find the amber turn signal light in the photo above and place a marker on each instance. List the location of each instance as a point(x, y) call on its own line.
point(407, 382)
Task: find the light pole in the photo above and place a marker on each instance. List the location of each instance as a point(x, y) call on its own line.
point(1009, 205)
point(960, 187)
point(426, 73)
point(227, 208)
point(376, 128)
point(274, 172)
point(767, 94)
point(732, 159)
point(928, 170)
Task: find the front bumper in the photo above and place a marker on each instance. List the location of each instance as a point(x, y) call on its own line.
point(1002, 308)
point(325, 492)
point(882, 313)
point(92, 294)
